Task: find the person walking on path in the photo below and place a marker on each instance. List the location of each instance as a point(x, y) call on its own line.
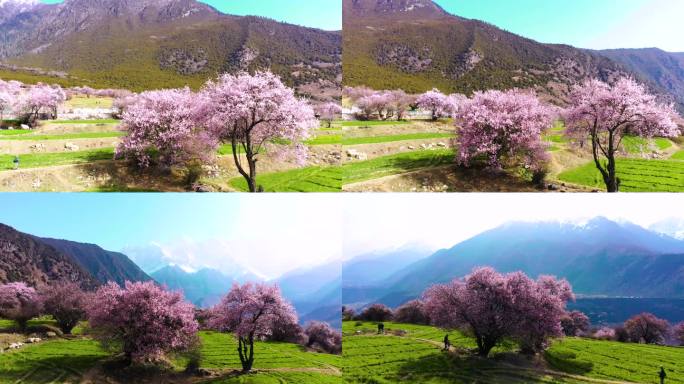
point(447, 343)
point(16, 162)
point(381, 328)
point(662, 375)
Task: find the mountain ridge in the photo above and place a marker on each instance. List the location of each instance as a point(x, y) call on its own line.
point(601, 258)
point(165, 44)
point(430, 48)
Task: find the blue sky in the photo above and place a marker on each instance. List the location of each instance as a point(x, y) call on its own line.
point(594, 24)
point(271, 234)
point(323, 14)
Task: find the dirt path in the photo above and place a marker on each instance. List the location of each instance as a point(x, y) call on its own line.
point(441, 179)
point(24, 147)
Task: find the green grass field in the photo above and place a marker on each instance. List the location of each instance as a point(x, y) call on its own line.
point(678, 156)
point(371, 123)
point(66, 136)
point(395, 164)
point(96, 122)
point(331, 179)
point(65, 361)
point(90, 102)
point(14, 132)
point(38, 160)
point(637, 175)
point(394, 138)
point(415, 356)
point(636, 145)
point(310, 179)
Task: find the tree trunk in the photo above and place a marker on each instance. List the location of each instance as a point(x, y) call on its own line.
point(246, 352)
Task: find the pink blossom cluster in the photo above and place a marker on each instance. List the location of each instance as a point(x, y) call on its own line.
point(142, 320)
point(440, 105)
point(20, 303)
point(322, 336)
point(328, 112)
point(603, 114)
point(382, 105)
point(162, 127)
point(494, 307)
point(249, 112)
point(251, 311)
point(503, 126)
point(66, 303)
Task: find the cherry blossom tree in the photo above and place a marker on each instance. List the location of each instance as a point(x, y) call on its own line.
point(647, 328)
point(39, 99)
point(142, 320)
point(538, 308)
point(161, 127)
point(322, 336)
point(505, 127)
point(605, 333)
point(575, 323)
point(286, 328)
point(603, 115)
point(20, 303)
point(400, 102)
point(250, 111)
point(439, 104)
point(66, 303)
point(250, 312)
point(493, 307)
point(412, 312)
point(376, 312)
point(329, 112)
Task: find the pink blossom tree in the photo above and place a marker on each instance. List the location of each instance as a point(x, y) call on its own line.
point(575, 323)
point(401, 102)
point(39, 99)
point(493, 307)
point(376, 312)
point(439, 104)
point(250, 311)
point(605, 114)
point(66, 303)
point(412, 312)
point(250, 111)
point(538, 309)
point(605, 333)
point(20, 303)
point(647, 328)
point(329, 112)
point(504, 127)
point(161, 127)
point(142, 320)
point(322, 336)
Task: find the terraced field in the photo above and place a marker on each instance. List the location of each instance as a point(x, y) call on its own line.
point(413, 354)
point(75, 145)
point(68, 361)
point(637, 175)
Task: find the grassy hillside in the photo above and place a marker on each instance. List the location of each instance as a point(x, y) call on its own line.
point(179, 53)
point(392, 50)
point(68, 361)
point(412, 354)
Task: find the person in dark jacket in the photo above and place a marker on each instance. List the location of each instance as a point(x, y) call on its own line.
point(16, 162)
point(662, 375)
point(381, 328)
point(447, 343)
